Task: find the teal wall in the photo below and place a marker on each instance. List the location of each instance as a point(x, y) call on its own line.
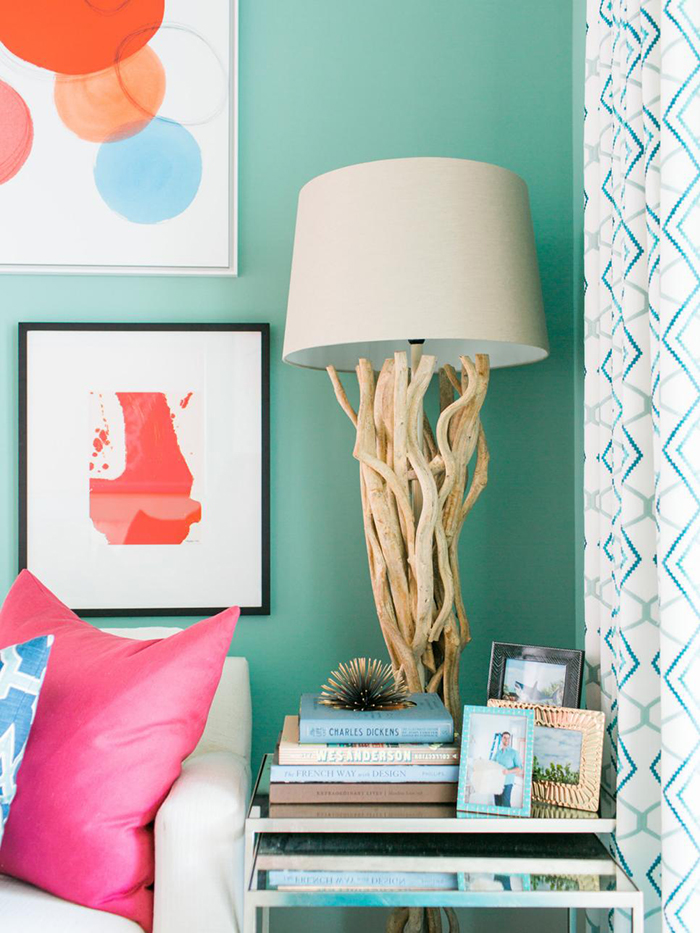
point(325, 83)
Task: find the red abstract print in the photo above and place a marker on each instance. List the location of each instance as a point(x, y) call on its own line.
point(149, 503)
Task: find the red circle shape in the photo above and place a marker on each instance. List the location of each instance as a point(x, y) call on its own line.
point(75, 37)
point(16, 132)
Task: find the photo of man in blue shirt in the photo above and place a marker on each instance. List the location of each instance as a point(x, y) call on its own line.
point(508, 758)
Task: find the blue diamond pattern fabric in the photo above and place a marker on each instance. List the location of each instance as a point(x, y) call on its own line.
point(22, 669)
point(642, 440)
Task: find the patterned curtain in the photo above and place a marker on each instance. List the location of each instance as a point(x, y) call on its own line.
point(642, 438)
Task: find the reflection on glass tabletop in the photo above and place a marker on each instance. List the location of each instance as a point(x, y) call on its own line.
point(440, 817)
point(493, 881)
point(534, 862)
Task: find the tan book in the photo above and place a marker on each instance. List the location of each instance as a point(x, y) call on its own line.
point(359, 811)
point(291, 752)
point(363, 793)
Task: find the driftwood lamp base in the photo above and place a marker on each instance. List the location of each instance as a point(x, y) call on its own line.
point(416, 493)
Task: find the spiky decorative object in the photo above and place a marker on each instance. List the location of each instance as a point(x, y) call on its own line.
point(364, 685)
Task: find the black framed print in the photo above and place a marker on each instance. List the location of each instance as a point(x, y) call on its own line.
point(144, 466)
point(534, 674)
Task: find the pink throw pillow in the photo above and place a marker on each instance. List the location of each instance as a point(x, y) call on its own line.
point(115, 719)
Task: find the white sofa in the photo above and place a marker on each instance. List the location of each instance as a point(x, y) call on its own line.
point(198, 833)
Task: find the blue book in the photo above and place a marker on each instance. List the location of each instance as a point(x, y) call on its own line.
point(426, 721)
point(364, 774)
point(387, 880)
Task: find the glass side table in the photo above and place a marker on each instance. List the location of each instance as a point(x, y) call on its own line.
point(552, 859)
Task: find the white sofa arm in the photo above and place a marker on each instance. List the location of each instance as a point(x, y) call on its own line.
point(199, 847)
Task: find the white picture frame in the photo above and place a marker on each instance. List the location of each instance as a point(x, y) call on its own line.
point(68, 228)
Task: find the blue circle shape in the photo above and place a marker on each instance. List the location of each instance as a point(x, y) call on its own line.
point(152, 176)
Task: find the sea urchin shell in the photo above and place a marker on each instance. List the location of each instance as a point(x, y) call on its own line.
point(364, 685)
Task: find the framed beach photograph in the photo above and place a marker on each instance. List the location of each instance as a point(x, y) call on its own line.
point(119, 137)
point(568, 755)
point(534, 674)
point(495, 768)
point(144, 466)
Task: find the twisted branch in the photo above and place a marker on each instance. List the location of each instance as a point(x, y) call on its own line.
point(416, 496)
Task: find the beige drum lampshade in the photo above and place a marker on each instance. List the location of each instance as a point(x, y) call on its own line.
point(432, 249)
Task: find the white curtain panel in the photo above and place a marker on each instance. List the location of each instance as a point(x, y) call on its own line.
point(642, 439)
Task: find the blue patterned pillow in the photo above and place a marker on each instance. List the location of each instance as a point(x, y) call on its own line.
point(22, 669)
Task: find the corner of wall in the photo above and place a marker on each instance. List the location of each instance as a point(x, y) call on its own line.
point(578, 61)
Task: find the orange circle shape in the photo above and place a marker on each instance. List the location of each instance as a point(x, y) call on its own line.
point(114, 103)
point(76, 37)
point(16, 132)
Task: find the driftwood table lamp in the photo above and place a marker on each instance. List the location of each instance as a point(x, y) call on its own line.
point(439, 255)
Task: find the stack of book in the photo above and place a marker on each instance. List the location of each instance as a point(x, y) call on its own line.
point(344, 763)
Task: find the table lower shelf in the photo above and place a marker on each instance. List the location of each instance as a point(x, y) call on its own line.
point(417, 870)
point(401, 845)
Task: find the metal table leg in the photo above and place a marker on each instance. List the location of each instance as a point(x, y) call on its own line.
point(638, 914)
point(249, 909)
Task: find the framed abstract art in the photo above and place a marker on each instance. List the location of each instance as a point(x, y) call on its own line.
point(118, 150)
point(144, 466)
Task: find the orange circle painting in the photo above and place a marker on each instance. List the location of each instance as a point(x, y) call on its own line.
point(114, 103)
point(77, 37)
